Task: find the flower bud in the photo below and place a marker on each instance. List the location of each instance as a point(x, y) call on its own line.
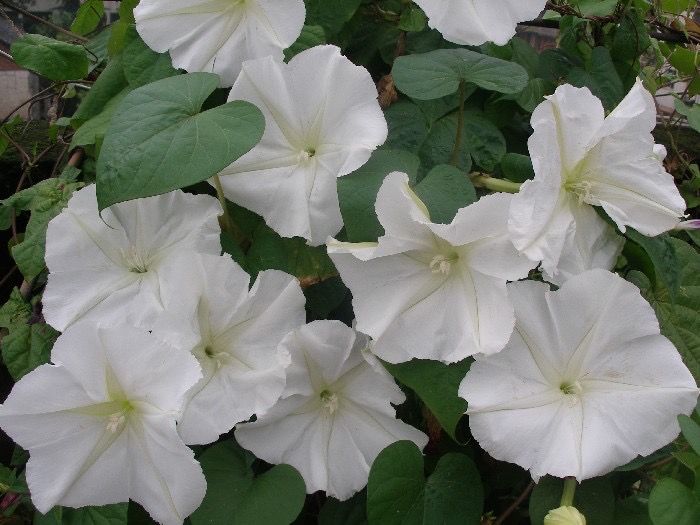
point(564, 516)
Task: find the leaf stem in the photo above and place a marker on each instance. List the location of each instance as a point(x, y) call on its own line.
point(490, 183)
point(460, 123)
point(567, 496)
point(226, 221)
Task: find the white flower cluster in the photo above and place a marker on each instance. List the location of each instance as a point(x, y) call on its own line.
point(164, 344)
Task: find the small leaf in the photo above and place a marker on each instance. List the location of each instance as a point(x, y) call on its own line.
point(436, 384)
point(691, 431)
point(672, 503)
point(692, 113)
point(88, 17)
point(50, 58)
point(236, 495)
point(158, 140)
point(398, 492)
point(516, 167)
point(310, 36)
point(445, 190)
point(438, 73)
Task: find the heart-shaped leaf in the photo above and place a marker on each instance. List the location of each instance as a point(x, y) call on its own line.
point(158, 140)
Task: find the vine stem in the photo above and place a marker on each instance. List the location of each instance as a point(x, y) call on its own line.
point(26, 13)
point(460, 124)
point(490, 183)
point(502, 518)
point(567, 496)
point(228, 225)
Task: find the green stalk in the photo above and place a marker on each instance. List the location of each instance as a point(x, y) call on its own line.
point(567, 496)
point(226, 221)
point(490, 183)
point(460, 124)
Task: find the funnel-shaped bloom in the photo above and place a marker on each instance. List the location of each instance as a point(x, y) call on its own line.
point(216, 36)
point(108, 268)
point(582, 158)
point(322, 121)
point(99, 424)
point(335, 415)
point(473, 22)
point(233, 333)
point(433, 291)
point(585, 384)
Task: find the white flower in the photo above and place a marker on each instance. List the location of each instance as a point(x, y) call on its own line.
point(335, 414)
point(322, 121)
point(580, 159)
point(433, 291)
point(216, 36)
point(107, 268)
point(233, 333)
point(99, 424)
point(473, 22)
point(585, 384)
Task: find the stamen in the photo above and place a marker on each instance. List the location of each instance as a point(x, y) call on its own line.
point(115, 421)
point(581, 188)
point(572, 391)
point(330, 400)
point(440, 264)
point(134, 260)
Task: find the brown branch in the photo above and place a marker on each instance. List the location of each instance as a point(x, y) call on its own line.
point(502, 518)
point(26, 13)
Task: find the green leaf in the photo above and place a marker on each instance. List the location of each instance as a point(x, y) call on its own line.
point(324, 297)
point(26, 347)
point(398, 492)
point(45, 200)
point(516, 167)
point(332, 16)
point(348, 512)
point(555, 64)
point(692, 113)
point(632, 511)
point(631, 38)
point(438, 73)
point(600, 77)
point(438, 147)
point(94, 129)
point(159, 141)
point(672, 503)
point(310, 36)
point(143, 65)
point(10, 483)
point(444, 191)
point(236, 495)
point(662, 253)
point(106, 515)
point(50, 58)
point(595, 7)
point(679, 321)
point(88, 17)
point(525, 55)
point(108, 85)
point(408, 127)
point(436, 384)
point(534, 93)
point(357, 192)
point(691, 431)
point(594, 498)
point(412, 19)
point(677, 6)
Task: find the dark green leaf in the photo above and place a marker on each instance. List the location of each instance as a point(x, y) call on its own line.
point(159, 141)
point(332, 16)
point(88, 17)
point(142, 65)
point(595, 7)
point(438, 73)
point(534, 93)
point(525, 55)
point(324, 297)
point(236, 495)
point(310, 36)
point(349, 512)
point(50, 58)
point(632, 511)
point(672, 503)
point(594, 498)
point(399, 494)
point(107, 515)
point(631, 38)
point(444, 191)
point(412, 19)
point(436, 384)
point(691, 432)
point(601, 78)
point(438, 147)
point(483, 140)
point(692, 113)
point(408, 127)
point(555, 64)
point(357, 192)
point(662, 253)
point(26, 347)
point(516, 167)
point(10, 483)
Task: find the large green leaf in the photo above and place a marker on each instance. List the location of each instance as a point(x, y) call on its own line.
point(159, 141)
point(236, 495)
point(438, 73)
point(436, 384)
point(50, 58)
point(398, 492)
point(348, 512)
point(600, 77)
point(594, 498)
point(444, 190)
point(662, 253)
point(357, 192)
point(632, 511)
point(142, 65)
point(672, 503)
point(106, 515)
point(408, 127)
point(679, 321)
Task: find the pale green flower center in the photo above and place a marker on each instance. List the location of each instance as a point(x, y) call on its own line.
point(134, 260)
point(572, 391)
point(329, 400)
point(117, 420)
point(442, 263)
point(220, 358)
point(307, 154)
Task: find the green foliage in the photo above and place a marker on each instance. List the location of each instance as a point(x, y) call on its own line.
point(433, 75)
point(672, 503)
point(236, 494)
point(398, 492)
point(158, 140)
point(88, 17)
point(50, 58)
point(594, 498)
point(106, 515)
point(445, 190)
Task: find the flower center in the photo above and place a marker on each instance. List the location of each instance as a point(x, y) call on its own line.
point(572, 391)
point(329, 400)
point(307, 154)
point(219, 358)
point(134, 260)
point(117, 420)
point(582, 188)
point(443, 263)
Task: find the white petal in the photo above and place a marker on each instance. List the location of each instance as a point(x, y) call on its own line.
point(218, 35)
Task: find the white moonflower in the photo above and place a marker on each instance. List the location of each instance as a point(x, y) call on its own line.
point(99, 424)
point(473, 22)
point(322, 121)
point(108, 268)
point(585, 384)
point(217, 36)
point(335, 415)
point(433, 291)
point(233, 333)
point(582, 158)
